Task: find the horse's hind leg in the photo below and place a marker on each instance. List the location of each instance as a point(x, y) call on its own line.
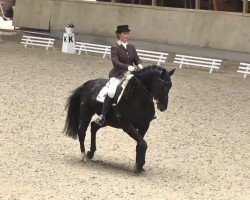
point(85, 119)
point(94, 128)
point(82, 134)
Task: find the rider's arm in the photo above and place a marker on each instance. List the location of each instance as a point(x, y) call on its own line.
point(137, 60)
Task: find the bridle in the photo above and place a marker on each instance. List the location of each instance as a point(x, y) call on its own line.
point(145, 90)
point(165, 81)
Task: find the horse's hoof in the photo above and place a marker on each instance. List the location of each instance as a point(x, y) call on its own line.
point(138, 170)
point(90, 154)
point(84, 157)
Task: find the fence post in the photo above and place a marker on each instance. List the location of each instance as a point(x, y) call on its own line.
point(212, 68)
point(245, 6)
point(27, 42)
point(80, 50)
point(247, 70)
point(182, 62)
point(160, 60)
point(106, 51)
point(50, 44)
point(197, 4)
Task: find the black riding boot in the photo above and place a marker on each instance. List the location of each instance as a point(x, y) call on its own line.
point(105, 108)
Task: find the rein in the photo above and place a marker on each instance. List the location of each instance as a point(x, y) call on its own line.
point(146, 91)
point(148, 94)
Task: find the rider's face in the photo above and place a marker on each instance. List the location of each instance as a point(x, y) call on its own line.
point(123, 36)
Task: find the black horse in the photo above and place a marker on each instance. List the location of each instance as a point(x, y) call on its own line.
point(133, 113)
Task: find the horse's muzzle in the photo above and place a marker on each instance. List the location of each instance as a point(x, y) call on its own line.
point(161, 107)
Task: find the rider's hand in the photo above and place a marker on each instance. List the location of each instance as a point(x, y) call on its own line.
point(131, 68)
point(140, 66)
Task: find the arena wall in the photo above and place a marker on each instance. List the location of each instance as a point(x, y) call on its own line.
point(199, 28)
point(33, 14)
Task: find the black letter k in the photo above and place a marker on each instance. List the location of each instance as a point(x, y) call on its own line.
point(65, 38)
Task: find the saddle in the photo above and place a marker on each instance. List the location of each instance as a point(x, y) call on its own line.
point(119, 91)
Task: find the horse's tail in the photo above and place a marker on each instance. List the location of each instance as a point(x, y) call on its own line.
point(73, 105)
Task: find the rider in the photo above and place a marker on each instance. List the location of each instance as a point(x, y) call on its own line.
point(123, 56)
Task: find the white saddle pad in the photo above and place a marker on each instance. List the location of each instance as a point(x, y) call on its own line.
point(104, 91)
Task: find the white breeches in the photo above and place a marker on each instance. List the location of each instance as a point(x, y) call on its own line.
point(112, 85)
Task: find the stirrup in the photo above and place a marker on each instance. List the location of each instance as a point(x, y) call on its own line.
point(100, 120)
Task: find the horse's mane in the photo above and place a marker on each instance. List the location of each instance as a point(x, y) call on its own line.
point(149, 70)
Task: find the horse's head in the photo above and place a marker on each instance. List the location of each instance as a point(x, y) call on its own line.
point(161, 87)
point(157, 81)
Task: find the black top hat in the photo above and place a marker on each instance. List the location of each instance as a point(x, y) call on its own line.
point(122, 28)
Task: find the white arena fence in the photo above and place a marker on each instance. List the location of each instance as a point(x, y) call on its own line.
point(159, 57)
point(213, 64)
point(153, 56)
point(94, 48)
point(244, 68)
point(38, 41)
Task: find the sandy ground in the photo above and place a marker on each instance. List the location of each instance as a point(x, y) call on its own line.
point(197, 149)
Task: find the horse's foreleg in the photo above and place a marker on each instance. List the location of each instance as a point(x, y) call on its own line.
point(142, 130)
point(141, 149)
point(141, 146)
point(94, 128)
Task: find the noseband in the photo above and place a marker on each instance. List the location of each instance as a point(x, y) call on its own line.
point(165, 81)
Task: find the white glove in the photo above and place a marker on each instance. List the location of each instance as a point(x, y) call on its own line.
point(140, 66)
point(131, 68)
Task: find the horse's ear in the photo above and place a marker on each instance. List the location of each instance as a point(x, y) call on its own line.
point(163, 73)
point(171, 72)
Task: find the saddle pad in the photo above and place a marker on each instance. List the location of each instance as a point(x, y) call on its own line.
point(104, 91)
